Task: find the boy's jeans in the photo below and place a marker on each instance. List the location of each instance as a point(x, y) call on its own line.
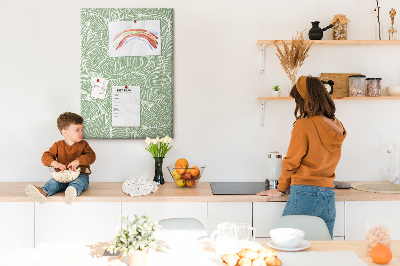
point(314, 201)
point(80, 184)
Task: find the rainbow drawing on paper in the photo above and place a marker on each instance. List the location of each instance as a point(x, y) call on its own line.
point(127, 35)
point(134, 38)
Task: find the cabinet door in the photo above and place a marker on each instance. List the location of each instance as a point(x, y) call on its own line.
point(165, 210)
point(358, 212)
point(266, 215)
point(79, 222)
point(220, 212)
point(16, 226)
point(338, 230)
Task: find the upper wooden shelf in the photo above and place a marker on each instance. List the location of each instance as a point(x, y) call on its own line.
point(339, 42)
point(335, 98)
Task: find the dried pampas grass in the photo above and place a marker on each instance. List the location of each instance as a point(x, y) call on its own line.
point(292, 58)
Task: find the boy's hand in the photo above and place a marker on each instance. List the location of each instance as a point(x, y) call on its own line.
point(58, 165)
point(73, 165)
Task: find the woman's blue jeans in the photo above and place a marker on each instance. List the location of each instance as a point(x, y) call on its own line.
point(80, 184)
point(314, 201)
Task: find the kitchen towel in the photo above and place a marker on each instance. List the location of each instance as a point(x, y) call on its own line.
point(315, 258)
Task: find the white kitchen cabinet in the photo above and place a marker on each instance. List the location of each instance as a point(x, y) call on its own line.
point(358, 212)
point(220, 212)
point(266, 215)
point(165, 210)
point(16, 226)
point(79, 222)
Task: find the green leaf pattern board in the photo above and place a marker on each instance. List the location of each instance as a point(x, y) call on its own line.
point(152, 73)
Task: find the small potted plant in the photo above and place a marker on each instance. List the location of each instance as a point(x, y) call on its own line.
point(276, 91)
point(135, 238)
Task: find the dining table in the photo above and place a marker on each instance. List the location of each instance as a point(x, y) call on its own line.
point(92, 254)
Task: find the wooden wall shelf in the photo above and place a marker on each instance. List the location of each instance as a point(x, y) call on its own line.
point(264, 99)
point(335, 98)
point(264, 43)
point(339, 42)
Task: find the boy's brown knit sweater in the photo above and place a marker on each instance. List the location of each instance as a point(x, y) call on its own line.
point(313, 154)
point(65, 154)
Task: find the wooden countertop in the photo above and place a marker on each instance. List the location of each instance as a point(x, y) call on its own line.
point(112, 192)
point(92, 253)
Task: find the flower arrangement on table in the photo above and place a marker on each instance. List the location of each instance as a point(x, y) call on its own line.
point(158, 148)
point(136, 235)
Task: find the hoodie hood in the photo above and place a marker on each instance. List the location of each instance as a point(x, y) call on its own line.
point(331, 133)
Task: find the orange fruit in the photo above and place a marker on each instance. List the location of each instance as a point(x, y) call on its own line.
point(182, 163)
point(381, 254)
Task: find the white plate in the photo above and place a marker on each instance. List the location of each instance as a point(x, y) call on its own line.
point(303, 245)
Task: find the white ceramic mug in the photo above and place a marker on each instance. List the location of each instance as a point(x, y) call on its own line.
point(243, 234)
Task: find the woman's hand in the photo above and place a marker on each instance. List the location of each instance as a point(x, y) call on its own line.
point(272, 193)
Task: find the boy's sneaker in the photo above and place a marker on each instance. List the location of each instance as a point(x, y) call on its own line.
point(36, 193)
point(70, 195)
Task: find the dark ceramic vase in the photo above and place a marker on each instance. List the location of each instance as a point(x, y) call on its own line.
point(316, 33)
point(158, 175)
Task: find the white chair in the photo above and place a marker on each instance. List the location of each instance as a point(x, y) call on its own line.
point(182, 233)
point(314, 227)
point(181, 224)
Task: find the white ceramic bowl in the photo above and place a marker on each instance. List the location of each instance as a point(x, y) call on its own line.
point(286, 237)
point(393, 91)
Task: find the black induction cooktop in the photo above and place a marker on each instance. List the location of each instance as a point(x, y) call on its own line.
point(237, 188)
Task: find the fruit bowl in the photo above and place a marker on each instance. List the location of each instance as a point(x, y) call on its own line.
point(65, 176)
point(186, 177)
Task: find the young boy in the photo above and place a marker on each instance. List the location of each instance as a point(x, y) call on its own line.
point(68, 153)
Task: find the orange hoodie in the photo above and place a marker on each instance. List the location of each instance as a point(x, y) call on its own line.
point(313, 154)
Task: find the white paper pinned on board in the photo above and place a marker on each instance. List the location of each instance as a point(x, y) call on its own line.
point(126, 106)
point(99, 88)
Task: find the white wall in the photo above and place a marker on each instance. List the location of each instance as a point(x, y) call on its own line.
point(216, 84)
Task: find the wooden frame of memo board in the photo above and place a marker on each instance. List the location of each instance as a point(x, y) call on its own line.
point(145, 67)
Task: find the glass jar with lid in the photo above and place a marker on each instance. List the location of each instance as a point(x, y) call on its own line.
point(357, 84)
point(374, 87)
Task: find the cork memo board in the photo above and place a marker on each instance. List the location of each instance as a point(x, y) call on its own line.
point(341, 80)
point(126, 72)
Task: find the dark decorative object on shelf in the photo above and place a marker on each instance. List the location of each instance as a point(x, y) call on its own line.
point(328, 85)
point(158, 175)
point(316, 33)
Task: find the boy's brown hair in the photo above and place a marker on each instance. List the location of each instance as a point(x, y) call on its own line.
point(319, 101)
point(66, 119)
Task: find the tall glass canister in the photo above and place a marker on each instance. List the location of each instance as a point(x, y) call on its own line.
point(374, 87)
point(357, 84)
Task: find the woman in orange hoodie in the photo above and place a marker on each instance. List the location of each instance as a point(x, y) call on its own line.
point(313, 154)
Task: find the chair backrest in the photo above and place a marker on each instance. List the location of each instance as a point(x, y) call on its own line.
point(181, 224)
point(314, 227)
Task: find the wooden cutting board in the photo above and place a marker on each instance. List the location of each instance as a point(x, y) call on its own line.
point(341, 80)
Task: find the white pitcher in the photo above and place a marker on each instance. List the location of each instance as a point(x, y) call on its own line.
point(223, 239)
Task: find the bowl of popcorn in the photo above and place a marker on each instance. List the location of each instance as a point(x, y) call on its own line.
point(65, 176)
